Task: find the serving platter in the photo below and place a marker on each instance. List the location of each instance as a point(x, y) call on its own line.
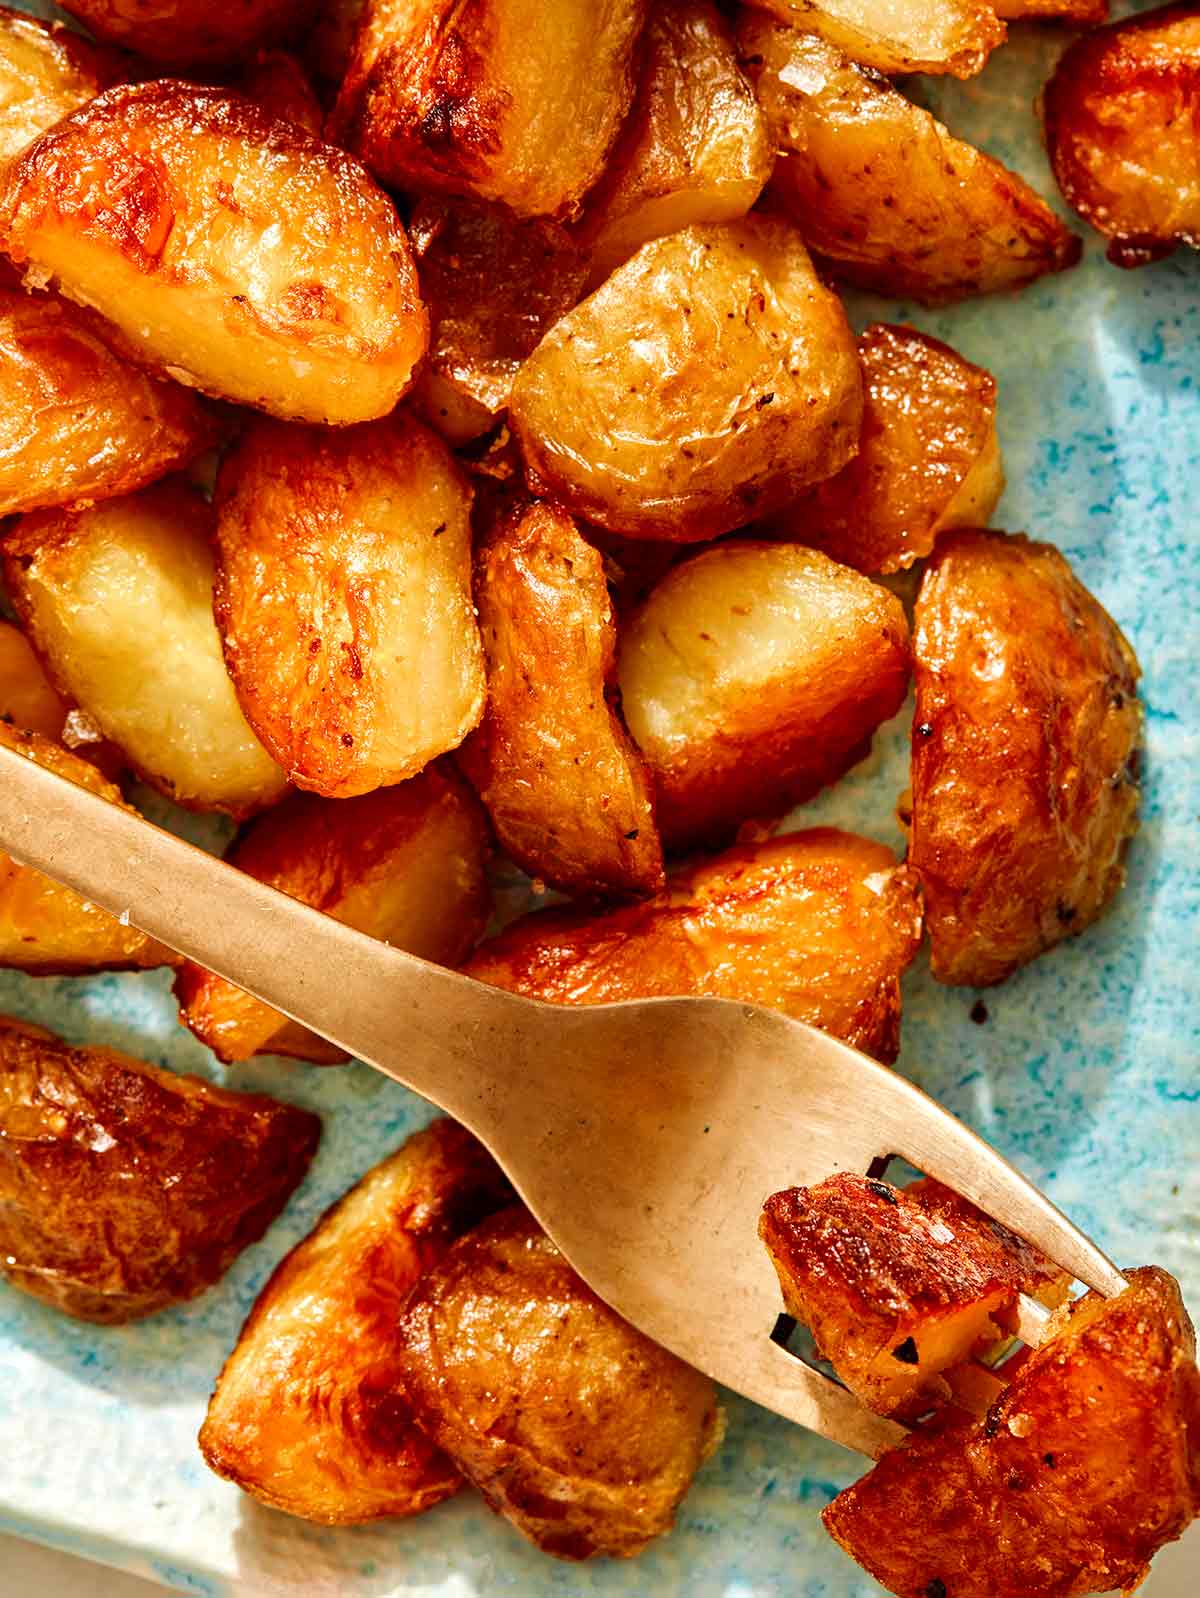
point(1084, 1068)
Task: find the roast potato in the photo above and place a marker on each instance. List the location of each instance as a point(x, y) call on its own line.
point(898, 36)
point(898, 1286)
point(574, 1426)
point(46, 70)
point(234, 252)
point(500, 100)
point(1120, 115)
point(405, 864)
point(124, 1188)
point(820, 924)
point(884, 195)
point(343, 599)
point(753, 675)
point(709, 380)
point(928, 457)
point(1080, 1473)
point(564, 785)
point(117, 600)
point(1024, 754)
point(694, 147)
point(1078, 13)
point(309, 1413)
point(183, 33)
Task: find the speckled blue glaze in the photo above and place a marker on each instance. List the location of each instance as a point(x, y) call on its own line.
point(1085, 1071)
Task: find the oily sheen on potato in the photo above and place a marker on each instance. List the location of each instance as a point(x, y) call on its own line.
point(29, 702)
point(46, 70)
point(711, 379)
point(232, 251)
point(185, 33)
point(899, 36)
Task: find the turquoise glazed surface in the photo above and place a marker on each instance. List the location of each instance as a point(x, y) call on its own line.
point(1084, 1072)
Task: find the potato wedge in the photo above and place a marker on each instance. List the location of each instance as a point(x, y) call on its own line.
point(694, 148)
point(343, 599)
point(899, 36)
point(1120, 116)
point(29, 701)
point(575, 1427)
point(1025, 754)
point(563, 782)
point(232, 251)
point(820, 924)
point(497, 100)
point(124, 1188)
point(117, 600)
point(754, 675)
point(709, 380)
point(184, 33)
point(277, 83)
point(1080, 1473)
point(884, 195)
point(928, 458)
point(405, 864)
point(46, 70)
point(309, 1414)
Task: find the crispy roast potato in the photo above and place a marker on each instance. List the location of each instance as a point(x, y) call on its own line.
point(1025, 754)
point(884, 195)
point(898, 1286)
point(1080, 1473)
point(405, 864)
point(754, 675)
point(563, 782)
point(694, 148)
point(117, 600)
point(574, 1426)
point(124, 1188)
point(899, 36)
point(820, 924)
point(1120, 115)
point(309, 1413)
point(710, 380)
point(30, 701)
point(182, 33)
point(928, 458)
point(499, 100)
point(277, 82)
point(343, 599)
point(46, 70)
point(231, 250)
point(1079, 13)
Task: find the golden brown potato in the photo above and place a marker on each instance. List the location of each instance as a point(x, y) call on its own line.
point(563, 782)
point(277, 82)
point(124, 1188)
point(928, 458)
point(231, 250)
point(46, 70)
point(754, 675)
point(405, 864)
point(1120, 114)
point(820, 924)
point(884, 195)
point(898, 1286)
point(343, 599)
point(184, 33)
point(694, 148)
point(898, 36)
point(117, 600)
point(1080, 1473)
point(574, 1426)
point(1079, 13)
point(499, 100)
point(1025, 754)
point(309, 1413)
point(710, 380)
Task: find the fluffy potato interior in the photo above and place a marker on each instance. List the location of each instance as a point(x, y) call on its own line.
point(898, 36)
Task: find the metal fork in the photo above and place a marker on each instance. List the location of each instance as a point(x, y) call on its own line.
point(644, 1136)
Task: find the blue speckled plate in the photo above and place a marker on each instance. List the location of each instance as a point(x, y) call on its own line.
point(1085, 1071)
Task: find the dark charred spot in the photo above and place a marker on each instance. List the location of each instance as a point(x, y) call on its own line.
point(979, 1012)
point(347, 741)
point(439, 529)
point(991, 1424)
point(925, 729)
point(936, 1588)
point(630, 836)
point(882, 1191)
point(762, 400)
point(1049, 1461)
point(1016, 1481)
point(906, 1353)
point(1066, 912)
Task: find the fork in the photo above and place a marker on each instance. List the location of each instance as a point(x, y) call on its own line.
point(644, 1136)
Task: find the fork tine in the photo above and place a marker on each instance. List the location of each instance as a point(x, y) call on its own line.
point(771, 1376)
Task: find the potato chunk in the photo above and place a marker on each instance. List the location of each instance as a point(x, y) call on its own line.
point(575, 1427)
point(1025, 754)
point(1120, 114)
point(117, 600)
point(124, 1188)
point(405, 864)
point(1078, 13)
point(820, 924)
point(898, 36)
point(884, 195)
point(898, 1286)
point(710, 380)
point(563, 782)
point(752, 676)
point(694, 148)
point(182, 33)
point(1082, 1470)
point(46, 70)
point(233, 251)
point(343, 598)
point(309, 1413)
